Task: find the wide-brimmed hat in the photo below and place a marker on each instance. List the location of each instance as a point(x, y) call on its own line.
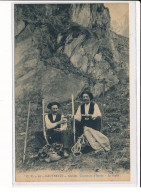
point(89, 93)
point(52, 104)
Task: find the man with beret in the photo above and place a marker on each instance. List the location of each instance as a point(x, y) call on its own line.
point(56, 126)
point(88, 114)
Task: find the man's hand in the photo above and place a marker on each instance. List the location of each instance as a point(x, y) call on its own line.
point(69, 116)
point(96, 117)
point(57, 129)
point(93, 118)
point(63, 121)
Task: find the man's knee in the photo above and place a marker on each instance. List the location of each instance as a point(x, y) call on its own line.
point(39, 137)
point(65, 138)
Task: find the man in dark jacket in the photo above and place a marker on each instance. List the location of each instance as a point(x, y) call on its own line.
point(56, 126)
point(88, 114)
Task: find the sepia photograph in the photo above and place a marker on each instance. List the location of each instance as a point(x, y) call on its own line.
point(72, 92)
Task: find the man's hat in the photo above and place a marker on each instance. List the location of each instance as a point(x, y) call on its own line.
point(89, 93)
point(52, 104)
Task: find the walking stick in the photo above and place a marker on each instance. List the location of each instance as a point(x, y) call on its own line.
point(103, 96)
point(25, 142)
point(73, 118)
point(44, 131)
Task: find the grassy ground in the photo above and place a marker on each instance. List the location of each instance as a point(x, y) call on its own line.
point(118, 158)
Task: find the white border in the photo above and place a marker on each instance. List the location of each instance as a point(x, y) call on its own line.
point(138, 90)
point(132, 64)
point(5, 95)
point(133, 97)
point(13, 98)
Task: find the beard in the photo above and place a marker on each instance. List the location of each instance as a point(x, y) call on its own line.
point(86, 101)
point(54, 112)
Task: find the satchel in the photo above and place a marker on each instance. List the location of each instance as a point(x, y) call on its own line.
point(97, 140)
point(50, 153)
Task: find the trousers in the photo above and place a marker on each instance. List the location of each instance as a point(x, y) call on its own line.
point(62, 137)
point(94, 124)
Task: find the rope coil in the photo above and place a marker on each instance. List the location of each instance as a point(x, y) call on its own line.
point(76, 149)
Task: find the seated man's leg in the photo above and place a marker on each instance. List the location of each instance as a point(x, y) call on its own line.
point(39, 138)
point(54, 138)
point(79, 129)
point(57, 137)
point(65, 139)
point(51, 136)
point(96, 124)
point(61, 137)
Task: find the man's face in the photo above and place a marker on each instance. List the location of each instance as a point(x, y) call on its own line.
point(54, 109)
point(86, 98)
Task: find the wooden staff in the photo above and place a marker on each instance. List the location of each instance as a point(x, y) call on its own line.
point(25, 141)
point(44, 131)
point(73, 119)
point(103, 96)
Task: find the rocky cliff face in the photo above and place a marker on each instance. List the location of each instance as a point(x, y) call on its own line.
point(91, 15)
point(63, 49)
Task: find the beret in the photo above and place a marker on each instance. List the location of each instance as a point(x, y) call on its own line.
point(86, 92)
point(52, 104)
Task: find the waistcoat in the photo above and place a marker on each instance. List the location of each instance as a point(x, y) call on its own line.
point(87, 120)
point(58, 118)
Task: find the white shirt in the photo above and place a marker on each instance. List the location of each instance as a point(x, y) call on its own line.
point(94, 115)
point(54, 117)
point(50, 125)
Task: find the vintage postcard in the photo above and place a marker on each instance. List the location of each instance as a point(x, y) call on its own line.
point(72, 92)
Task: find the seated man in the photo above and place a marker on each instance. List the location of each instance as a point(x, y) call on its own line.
point(88, 114)
point(56, 126)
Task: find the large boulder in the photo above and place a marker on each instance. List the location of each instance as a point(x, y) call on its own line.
point(59, 86)
point(33, 77)
point(26, 57)
point(94, 58)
